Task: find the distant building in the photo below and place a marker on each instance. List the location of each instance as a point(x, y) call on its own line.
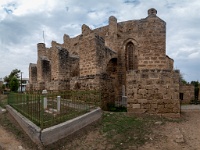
point(22, 87)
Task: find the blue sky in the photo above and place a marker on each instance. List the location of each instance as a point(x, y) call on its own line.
point(22, 23)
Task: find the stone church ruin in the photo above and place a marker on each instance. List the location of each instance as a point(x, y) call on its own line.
point(125, 61)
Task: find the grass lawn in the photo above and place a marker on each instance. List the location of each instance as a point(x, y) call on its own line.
point(118, 130)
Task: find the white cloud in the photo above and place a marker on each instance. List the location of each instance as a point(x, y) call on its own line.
point(37, 6)
point(71, 29)
point(195, 55)
point(22, 23)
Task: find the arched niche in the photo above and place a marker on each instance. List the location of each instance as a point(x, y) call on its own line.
point(111, 68)
point(131, 56)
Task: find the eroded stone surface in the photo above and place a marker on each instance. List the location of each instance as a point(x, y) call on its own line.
point(130, 54)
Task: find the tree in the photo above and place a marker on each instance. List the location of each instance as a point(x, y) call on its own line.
point(182, 80)
point(14, 84)
point(196, 89)
point(14, 73)
point(1, 89)
point(195, 83)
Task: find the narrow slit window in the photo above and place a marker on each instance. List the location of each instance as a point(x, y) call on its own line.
point(130, 56)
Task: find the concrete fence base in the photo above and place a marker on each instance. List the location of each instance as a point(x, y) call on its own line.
point(52, 134)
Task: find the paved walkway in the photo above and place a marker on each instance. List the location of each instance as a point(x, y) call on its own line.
point(190, 107)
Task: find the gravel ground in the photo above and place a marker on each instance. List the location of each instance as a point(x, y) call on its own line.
point(183, 135)
point(8, 141)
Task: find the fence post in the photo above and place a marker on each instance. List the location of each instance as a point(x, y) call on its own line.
point(58, 104)
point(44, 92)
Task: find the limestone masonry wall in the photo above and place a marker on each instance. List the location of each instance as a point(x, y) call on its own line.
point(153, 91)
point(187, 92)
point(114, 59)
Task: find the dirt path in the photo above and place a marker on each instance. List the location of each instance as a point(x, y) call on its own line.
point(8, 141)
point(176, 135)
point(184, 135)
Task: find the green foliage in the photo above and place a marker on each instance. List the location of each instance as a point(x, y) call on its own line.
point(3, 86)
point(124, 131)
point(14, 84)
point(112, 107)
point(1, 89)
point(31, 106)
point(182, 80)
point(196, 93)
point(14, 73)
point(195, 83)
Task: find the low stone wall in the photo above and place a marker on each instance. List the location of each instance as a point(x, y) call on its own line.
point(50, 135)
point(154, 92)
point(30, 128)
point(187, 93)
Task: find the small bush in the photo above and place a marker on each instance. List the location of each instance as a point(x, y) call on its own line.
point(113, 108)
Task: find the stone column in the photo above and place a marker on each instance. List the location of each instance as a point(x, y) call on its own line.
point(44, 92)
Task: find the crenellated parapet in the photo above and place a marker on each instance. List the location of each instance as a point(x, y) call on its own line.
point(41, 48)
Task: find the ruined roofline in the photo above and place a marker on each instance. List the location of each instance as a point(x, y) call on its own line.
point(169, 57)
point(150, 13)
point(60, 47)
point(32, 64)
point(138, 20)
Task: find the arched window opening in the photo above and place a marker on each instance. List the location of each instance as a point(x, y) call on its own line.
point(129, 56)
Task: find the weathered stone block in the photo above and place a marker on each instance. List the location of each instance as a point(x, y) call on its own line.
point(145, 105)
point(169, 106)
point(140, 96)
point(135, 106)
point(142, 100)
point(142, 91)
point(133, 101)
point(160, 108)
point(136, 110)
point(154, 105)
point(158, 96)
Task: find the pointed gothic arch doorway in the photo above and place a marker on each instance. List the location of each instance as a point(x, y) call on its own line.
point(112, 82)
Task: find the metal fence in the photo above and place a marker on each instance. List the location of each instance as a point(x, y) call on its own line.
point(46, 110)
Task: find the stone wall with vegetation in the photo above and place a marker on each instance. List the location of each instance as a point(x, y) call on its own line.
point(187, 92)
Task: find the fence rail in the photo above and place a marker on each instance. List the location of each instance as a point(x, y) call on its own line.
point(46, 110)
